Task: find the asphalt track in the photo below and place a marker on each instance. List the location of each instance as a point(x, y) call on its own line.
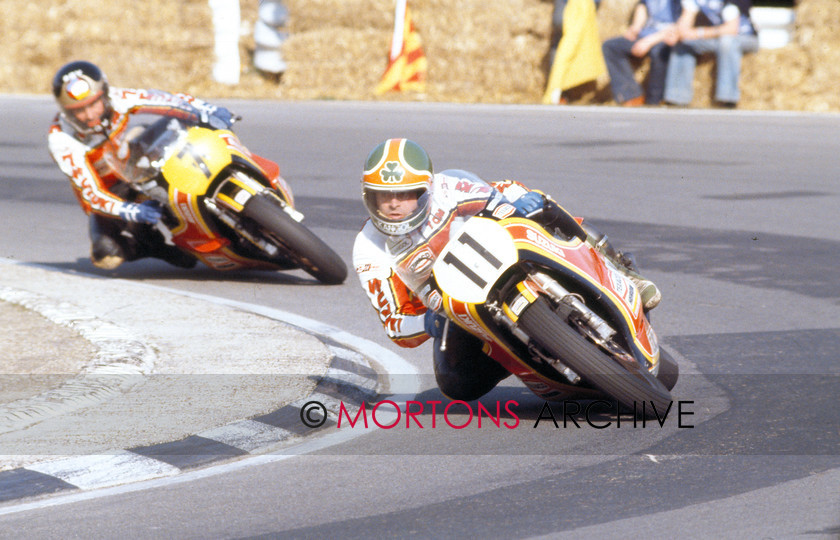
point(734, 216)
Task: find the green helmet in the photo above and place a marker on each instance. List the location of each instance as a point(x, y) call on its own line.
point(402, 169)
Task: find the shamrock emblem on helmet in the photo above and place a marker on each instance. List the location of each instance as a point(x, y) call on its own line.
point(392, 173)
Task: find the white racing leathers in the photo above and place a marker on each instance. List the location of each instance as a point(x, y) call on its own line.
point(394, 270)
point(85, 159)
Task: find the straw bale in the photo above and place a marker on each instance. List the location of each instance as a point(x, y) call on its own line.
point(614, 16)
point(477, 51)
point(313, 15)
point(340, 63)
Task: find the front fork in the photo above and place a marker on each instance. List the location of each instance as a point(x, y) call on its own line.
point(444, 335)
point(589, 323)
point(230, 198)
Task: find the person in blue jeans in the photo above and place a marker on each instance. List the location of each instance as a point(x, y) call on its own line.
point(722, 27)
point(652, 25)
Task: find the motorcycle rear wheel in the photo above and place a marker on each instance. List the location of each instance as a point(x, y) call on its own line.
point(309, 251)
point(561, 341)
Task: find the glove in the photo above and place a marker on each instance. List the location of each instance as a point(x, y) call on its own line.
point(433, 323)
point(217, 118)
point(529, 204)
point(146, 212)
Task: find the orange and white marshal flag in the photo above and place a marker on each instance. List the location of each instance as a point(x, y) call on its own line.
point(407, 62)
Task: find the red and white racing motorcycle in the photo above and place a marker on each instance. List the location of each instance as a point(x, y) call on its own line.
point(556, 313)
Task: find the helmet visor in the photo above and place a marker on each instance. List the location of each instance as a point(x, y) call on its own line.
point(397, 211)
point(88, 115)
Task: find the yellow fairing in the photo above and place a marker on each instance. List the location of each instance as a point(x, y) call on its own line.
point(199, 159)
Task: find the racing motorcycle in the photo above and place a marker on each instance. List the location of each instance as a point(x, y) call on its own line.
point(222, 204)
point(554, 312)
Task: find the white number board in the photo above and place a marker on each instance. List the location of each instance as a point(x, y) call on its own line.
point(474, 260)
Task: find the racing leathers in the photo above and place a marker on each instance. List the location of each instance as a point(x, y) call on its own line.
point(395, 273)
point(86, 161)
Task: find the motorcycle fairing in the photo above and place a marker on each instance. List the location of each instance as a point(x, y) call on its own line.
point(234, 190)
point(510, 354)
point(467, 266)
point(195, 234)
point(200, 161)
point(577, 261)
point(271, 170)
point(571, 261)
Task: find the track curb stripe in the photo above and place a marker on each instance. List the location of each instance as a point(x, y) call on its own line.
point(349, 381)
point(352, 384)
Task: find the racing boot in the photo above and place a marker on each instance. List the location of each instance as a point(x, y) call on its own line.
point(648, 291)
point(108, 247)
point(106, 253)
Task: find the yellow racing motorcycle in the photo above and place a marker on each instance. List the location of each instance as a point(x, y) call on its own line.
point(221, 203)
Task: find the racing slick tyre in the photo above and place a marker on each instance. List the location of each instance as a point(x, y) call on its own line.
point(629, 385)
point(669, 371)
point(309, 251)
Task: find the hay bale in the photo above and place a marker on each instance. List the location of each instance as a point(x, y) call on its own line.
point(365, 15)
point(477, 51)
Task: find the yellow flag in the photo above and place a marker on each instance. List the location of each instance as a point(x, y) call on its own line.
point(578, 58)
point(407, 62)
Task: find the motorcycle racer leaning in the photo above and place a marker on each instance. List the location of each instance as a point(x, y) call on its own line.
point(92, 116)
point(413, 212)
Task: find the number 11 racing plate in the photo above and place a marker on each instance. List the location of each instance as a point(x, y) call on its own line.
point(471, 263)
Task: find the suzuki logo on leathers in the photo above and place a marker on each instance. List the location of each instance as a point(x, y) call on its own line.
point(393, 173)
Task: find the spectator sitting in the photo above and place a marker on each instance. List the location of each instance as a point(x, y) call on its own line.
point(710, 26)
point(651, 25)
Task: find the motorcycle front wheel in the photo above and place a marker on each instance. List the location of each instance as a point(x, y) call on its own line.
point(669, 371)
point(629, 387)
point(309, 251)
